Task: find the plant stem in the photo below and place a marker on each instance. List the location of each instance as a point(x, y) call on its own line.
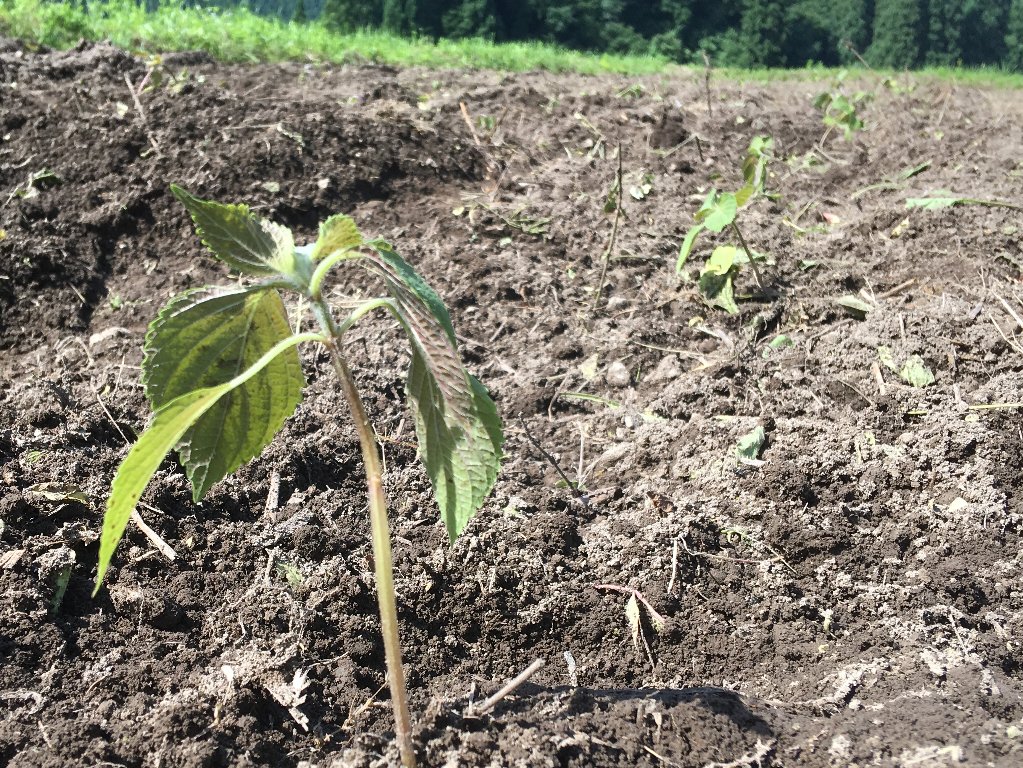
point(749, 256)
point(606, 257)
point(381, 539)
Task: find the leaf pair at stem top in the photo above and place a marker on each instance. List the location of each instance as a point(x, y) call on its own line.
point(222, 371)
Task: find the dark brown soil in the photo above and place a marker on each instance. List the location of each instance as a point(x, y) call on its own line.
point(854, 599)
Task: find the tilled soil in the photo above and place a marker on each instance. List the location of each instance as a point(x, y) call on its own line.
point(850, 596)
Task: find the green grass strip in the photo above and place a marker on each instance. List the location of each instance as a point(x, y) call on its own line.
point(238, 35)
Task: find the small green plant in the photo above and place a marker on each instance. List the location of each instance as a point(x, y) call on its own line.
point(841, 110)
point(719, 212)
point(222, 372)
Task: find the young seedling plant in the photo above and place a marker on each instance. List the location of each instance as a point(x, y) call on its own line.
point(222, 372)
point(719, 212)
point(840, 110)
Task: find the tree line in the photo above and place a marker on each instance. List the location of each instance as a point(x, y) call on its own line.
point(746, 33)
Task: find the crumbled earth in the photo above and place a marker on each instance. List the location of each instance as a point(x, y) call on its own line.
point(846, 593)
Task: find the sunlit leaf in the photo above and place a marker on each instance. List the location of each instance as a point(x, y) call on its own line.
point(750, 445)
point(457, 424)
point(718, 211)
point(338, 233)
point(204, 338)
point(238, 238)
point(716, 279)
point(743, 194)
point(778, 343)
point(169, 428)
point(855, 305)
point(687, 246)
point(916, 373)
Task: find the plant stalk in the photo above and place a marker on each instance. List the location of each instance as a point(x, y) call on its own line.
point(381, 539)
point(749, 257)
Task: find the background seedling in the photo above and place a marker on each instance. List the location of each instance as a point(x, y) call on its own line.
point(841, 110)
point(222, 373)
point(719, 212)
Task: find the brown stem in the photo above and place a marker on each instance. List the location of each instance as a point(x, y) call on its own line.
point(749, 256)
point(606, 258)
point(381, 543)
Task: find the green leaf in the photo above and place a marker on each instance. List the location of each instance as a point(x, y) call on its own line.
point(754, 166)
point(238, 238)
point(717, 276)
point(934, 203)
point(722, 260)
point(939, 202)
point(457, 423)
point(687, 246)
point(750, 445)
point(743, 195)
point(338, 233)
point(914, 170)
point(916, 373)
point(822, 101)
point(170, 426)
point(462, 456)
point(144, 458)
point(857, 306)
point(718, 211)
point(778, 343)
point(409, 289)
point(204, 338)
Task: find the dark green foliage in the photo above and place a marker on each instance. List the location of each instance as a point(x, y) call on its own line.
point(944, 30)
point(851, 24)
point(812, 34)
point(470, 18)
point(398, 16)
point(983, 31)
point(1014, 37)
point(898, 34)
point(762, 33)
point(350, 15)
point(753, 33)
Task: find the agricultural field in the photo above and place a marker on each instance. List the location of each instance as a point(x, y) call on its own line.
point(759, 362)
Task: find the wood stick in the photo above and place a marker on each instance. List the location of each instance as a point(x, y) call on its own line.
point(509, 687)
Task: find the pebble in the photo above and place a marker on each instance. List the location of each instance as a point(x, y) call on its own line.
point(617, 375)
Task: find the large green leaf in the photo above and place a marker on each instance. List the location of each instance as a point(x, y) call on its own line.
point(716, 278)
point(237, 237)
point(171, 424)
point(457, 423)
point(144, 458)
point(204, 338)
point(462, 456)
point(718, 210)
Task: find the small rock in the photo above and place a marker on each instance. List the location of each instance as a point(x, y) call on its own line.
point(617, 375)
point(668, 369)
